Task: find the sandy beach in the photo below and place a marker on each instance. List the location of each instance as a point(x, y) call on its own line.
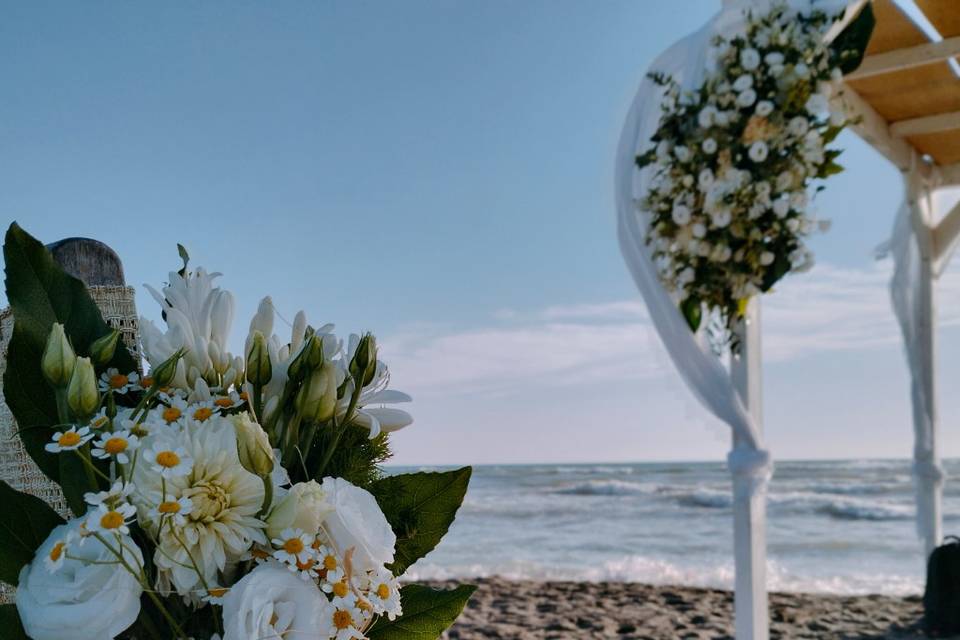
point(560, 610)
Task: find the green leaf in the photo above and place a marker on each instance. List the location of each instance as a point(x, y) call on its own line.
point(420, 507)
point(26, 523)
point(427, 613)
point(850, 45)
point(40, 294)
point(10, 623)
point(692, 310)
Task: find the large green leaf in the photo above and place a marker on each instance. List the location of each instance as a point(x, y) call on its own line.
point(26, 523)
point(851, 44)
point(10, 623)
point(40, 294)
point(427, 613)
point(420, 507)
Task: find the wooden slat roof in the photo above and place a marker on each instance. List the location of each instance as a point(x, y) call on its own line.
point(908, 92)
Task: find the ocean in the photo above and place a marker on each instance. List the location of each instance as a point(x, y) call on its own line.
point(843, 527)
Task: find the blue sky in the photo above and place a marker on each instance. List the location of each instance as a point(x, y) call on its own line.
point(439, 173)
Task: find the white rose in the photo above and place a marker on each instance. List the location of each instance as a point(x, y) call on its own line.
point(749, 59)
point(721, 218)
point(766, 258)
point(817, 104)
point(680, 214)
point(705, 117)
point(303, 507)
point(705, 179)
point(773, 59)
point(357, 522)
point(682, 153)
point(781, 207)
point(758, 151)
point(801, 70)
point(709, 146)
point(743, 83)
point(82, 600)
point(699, 230)
point(747, 98)
point(272, 602)
point(764, 108)
point(798, 126)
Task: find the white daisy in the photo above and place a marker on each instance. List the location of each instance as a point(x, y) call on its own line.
point(69, 440)
point(58, 553)
point(118, 382)
point(118, 444)
point(174, 510)
point(202, 411)
point(111, 520)
point(346, 620)
point(118, 493)
point(384, 594)
point(100, 420)
point(293, 547)
point(169, 460)
point(331, 569)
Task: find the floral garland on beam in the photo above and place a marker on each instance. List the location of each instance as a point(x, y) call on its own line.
point(733, 161)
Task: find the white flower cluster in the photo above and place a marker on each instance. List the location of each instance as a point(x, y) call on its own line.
point(197, 488)
point(733, 160)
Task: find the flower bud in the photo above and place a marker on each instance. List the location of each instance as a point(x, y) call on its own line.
point(259, 368)
point(303, 507)
point(103, 348)
point(309, 358)
point(317, 399)
point(83, 397)
point(164, 373)
point(58, 358)
point(364, 363)
point(253, 446)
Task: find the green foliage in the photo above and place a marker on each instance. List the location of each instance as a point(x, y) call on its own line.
point(10, 623)
point(26, 523)
point(692, 310)
point(357, 458)
point(40, 294)
point(427, 613)
point(420, 508)
point(849, 47)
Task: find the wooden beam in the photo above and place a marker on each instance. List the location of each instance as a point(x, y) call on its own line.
point(872, 127)
point(900, 59)
point(926, 124)
point(950, 175)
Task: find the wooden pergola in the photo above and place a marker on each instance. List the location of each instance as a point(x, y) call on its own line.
point(907, 94)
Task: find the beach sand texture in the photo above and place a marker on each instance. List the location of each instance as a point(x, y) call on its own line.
point(528, 610)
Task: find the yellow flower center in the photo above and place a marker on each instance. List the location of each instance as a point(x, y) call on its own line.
point(383, 592)
point(170, 414)
point(168, 459)
point(146, 382)
point(260, 553)
point(202, 414)
point(111, 520)
point(223, 402)
point(69, 439)
point(341, 589)
point(217, 592)
point(57, 551)
point(169, 507)
point(115, 445)
point(342, 619)
point(329, 563)
point(244, 396)
point(100, 422)
point(306, 566)
point(117, 381)
point(293, 546)
point(274, 619)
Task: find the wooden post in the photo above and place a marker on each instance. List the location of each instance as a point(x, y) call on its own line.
point(751, 611)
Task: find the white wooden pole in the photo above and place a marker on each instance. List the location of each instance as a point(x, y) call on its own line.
point(751, 612)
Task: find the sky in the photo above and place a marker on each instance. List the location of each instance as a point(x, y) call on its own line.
point(440, 173)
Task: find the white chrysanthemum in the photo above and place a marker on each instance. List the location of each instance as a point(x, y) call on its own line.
point(118, 444)
point(113, 380)
point(69, 440)
point(346, 619)
point(294, 547)
point(383, 592)
point(225, 499)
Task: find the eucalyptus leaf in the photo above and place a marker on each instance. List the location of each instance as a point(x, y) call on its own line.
point(427, 613)
point(692, 310)
point(40, 294)
point(26, 523)
point(420, 508)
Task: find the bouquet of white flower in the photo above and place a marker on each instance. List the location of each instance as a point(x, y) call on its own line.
point(733, 160)
point(217, 496)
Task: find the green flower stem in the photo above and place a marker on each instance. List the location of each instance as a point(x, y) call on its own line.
point(63, 409)
point(343, 426)
point(92, 471)
point(267, 495)
point(257, 402)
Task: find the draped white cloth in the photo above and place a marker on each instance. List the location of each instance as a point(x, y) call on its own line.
point(913, 275)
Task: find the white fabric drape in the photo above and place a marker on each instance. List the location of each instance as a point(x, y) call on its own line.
point(914, 273)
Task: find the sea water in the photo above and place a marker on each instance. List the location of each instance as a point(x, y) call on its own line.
point(841, 527)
